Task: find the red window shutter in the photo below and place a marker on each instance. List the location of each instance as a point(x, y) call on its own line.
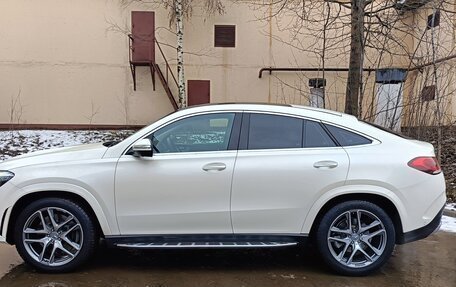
point(225, 36)
point(199, 92)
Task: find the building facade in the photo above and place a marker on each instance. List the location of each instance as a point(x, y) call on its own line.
point(68, 63)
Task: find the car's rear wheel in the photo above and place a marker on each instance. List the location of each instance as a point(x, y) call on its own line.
point(356, 237)
point(55, 235)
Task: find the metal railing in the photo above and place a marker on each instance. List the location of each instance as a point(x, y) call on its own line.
point(168, 67)
point(166, 75)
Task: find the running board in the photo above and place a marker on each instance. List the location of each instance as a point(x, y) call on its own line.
point(205, 245)
point(205, 240)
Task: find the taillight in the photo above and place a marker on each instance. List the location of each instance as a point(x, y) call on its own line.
point(427, 164)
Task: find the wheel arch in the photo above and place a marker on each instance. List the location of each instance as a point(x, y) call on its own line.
point(382, 201)
point(26, 199)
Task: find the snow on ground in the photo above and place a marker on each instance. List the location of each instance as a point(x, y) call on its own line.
point(451, 206)
point(13, 143)
point(448, 224)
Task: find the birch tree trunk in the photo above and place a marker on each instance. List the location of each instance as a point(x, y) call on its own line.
point(356, 58)
point(180, 52)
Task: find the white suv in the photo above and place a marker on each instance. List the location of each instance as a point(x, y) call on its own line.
point(227, 176)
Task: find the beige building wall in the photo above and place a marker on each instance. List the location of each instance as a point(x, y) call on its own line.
point(66, 65)
point(66, 62)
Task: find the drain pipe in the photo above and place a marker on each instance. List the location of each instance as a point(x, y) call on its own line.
point(272, 69)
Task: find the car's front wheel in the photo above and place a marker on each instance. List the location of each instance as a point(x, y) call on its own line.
point(355, 237)
point(55, 235)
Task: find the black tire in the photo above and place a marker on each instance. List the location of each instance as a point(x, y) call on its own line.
point(336, 213)
point(89, 234)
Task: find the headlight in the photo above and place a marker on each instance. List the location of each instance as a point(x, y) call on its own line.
point(5, 176)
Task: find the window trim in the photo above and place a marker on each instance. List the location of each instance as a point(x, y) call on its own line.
point(234, 136)
point(337, 144)
point(245, 129)
point(233, 142)
point(244, 135)
point(324, 126)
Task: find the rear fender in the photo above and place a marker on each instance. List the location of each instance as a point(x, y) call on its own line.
point(350, 190)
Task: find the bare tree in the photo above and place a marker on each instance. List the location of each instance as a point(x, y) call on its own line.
point(355, 67)
point(16, 109)
point(363, 33)
point(94, 111)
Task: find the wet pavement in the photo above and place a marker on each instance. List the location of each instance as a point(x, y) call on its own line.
point(429, 262)
point(8, 258)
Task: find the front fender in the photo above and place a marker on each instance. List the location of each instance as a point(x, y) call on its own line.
point(352, 189)
point(107, 223)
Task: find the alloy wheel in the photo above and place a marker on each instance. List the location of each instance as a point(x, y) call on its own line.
point(357, 238)
point(52, 236)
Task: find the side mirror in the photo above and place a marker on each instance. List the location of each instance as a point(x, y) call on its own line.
point(142, 147)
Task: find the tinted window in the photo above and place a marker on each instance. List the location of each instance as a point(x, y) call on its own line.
point(199, 133)
point(271, 131)
point(347, 138)
point(316, 136)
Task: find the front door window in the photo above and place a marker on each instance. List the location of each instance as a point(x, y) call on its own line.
point(209, 132)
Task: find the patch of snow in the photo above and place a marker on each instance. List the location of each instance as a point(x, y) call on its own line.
point(450, 206)
point(448, 224)
point(17, 142)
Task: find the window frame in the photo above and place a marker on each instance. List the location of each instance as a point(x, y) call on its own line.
point(323, 127)
point(245, 128)
point(233, 141)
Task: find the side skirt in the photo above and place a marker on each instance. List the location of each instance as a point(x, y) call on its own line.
point(205, 241)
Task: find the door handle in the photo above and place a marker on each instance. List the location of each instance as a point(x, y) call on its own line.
point(215, 166)
point(325, 164)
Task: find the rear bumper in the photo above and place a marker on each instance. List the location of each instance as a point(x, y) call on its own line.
point(422, 232)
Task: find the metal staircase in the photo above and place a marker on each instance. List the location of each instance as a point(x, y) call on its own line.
point(166, 79)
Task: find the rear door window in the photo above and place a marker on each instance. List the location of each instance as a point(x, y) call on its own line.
point(316, 136)
point(274, 132)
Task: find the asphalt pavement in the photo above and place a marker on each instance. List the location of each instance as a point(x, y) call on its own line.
point(429, 262)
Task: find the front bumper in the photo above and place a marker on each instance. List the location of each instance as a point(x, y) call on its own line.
point(422, 232)
point(2, 224)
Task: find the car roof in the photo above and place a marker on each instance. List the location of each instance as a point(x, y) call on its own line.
point(305, 111)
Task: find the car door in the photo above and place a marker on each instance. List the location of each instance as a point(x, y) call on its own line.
point(284, 164)
point(184, 187)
